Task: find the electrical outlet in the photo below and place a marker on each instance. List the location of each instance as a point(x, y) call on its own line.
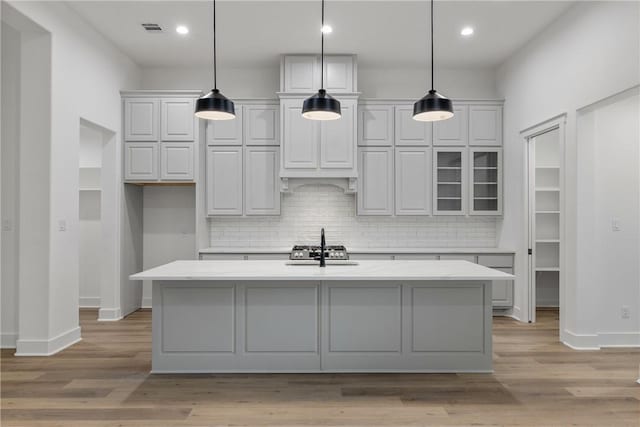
point(6, 225)
point(624, 312)
point(62, 225)
point(615, 224)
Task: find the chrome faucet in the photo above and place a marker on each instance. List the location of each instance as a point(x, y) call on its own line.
point(322, 248)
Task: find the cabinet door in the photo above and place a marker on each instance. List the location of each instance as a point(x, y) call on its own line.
point(338, 73)
point(141, 119)
point(454, 131)
point(178, 119)
point(413, 181)
point(338, 139)
point(176, 161)
point(261, 190)
point(261, 124)
point(301, 73)
point(226, 132)
point(375, 185)
point(409, 131)
point(502, 295)
point(140, 161)
point(486, 181)
point(375, 125)
point(300, 137)
point(224, 180)
point(485, 125)
point(450, 189)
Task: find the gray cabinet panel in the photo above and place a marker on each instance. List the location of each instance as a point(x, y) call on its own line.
point(375, 125)
point(226, 132)
point(261, 189)
point(224, 180)
point(178, 120)
point(413, 181)
point(375, 186)
point(176, 161)
point(141, 116)
point(141, 161)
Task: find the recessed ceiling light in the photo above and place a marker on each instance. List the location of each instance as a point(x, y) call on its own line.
point(326, 29)
point(181, 29)
point(466, 31)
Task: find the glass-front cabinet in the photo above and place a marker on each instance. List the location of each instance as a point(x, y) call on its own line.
point(449, 167)
point(486, 181)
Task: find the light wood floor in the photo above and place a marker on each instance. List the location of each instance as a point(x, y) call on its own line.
point(104, 381)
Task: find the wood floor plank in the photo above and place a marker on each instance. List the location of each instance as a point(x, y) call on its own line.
point(104, 381)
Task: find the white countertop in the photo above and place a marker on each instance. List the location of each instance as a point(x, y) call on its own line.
point(254, 250)
point(279, 270)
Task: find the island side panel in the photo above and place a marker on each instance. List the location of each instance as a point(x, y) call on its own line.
point(421, 326)
point(333, 326)
point(229, 326)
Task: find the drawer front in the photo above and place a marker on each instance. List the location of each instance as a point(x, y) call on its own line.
point(223, 257)
point(505, 261)
point(470, 258)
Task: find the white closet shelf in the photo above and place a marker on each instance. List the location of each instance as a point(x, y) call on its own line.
point(547, 212)
point(548, 269)
point(547, 240)
point(90, 189)
point(548, 189)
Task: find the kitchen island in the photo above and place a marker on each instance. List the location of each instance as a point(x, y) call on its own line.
point(269, 316)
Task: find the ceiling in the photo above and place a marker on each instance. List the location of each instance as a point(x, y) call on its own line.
point(382, 33)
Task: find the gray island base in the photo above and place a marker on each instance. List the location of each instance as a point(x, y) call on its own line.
point(267, 316)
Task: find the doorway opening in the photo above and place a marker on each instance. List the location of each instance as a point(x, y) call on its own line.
point(545, 216)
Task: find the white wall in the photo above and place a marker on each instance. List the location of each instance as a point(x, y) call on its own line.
point(591, 52)
point(10, 175)
point(609, 189)
point(372, 82)
point(87, 73)
point(169, 230)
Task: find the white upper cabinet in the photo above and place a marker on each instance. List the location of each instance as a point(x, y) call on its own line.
point(485, 125)
point(413, 181)
point(338, 73)
point(375, 125)
point(300, 74)
point(300, 137)
point(486, 181)
point(409, 131)
point(141, 119)
point(141, 161)
point(176, 161)
point(450, 183)
point(224, 180)
point(375, 186)
point(226, 132)
point(178, 119)
point(337, 139)
point(262, 124)
point(261, 186)
point(454, 131)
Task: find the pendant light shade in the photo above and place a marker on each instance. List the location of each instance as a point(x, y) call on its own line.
point(433, 106)
point(321, 106)
point(214, 105)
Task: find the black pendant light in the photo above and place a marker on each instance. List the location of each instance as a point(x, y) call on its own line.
point(321, 106)
point(214, 105)
point(433, 106)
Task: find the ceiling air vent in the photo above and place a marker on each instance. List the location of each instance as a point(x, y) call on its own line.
point(152, 28)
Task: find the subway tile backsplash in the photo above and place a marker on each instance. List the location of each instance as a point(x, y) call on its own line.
point(313, 206)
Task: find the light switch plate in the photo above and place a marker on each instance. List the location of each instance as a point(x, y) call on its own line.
point(615, 224)
point(62, 225)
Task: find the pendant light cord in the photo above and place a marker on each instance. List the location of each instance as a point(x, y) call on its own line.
point(322, 50)
point(431, 45)
point(215, 71)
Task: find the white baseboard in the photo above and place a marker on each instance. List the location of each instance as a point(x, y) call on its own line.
point(109, 314)
point(89, 302)
point(8, 340)
point(619, 339)
point(50, 346)
point(600, 340)
point(146, 302)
